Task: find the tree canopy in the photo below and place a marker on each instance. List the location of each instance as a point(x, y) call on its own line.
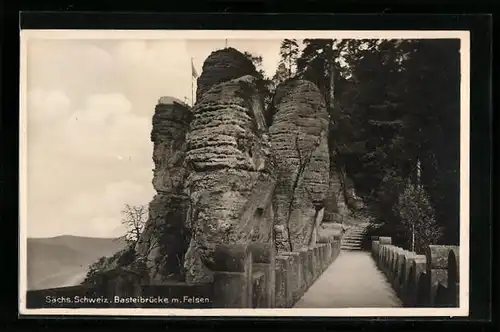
point(391, 103)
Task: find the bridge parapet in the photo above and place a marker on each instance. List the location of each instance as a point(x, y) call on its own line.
point(430, 280)
point(244, 276)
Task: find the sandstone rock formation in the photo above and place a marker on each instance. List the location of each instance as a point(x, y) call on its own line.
point(165, 238)
point(230, 184)
point(226, 172)
point(353, 201)
point(299, 141)
point(334, 203)
point(222, 66)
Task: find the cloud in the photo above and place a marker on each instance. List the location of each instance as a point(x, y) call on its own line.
point(77, 67)
point(73, 161)
point(151, 69)
point(46, 108)
point(94, 213)
point(90, 105)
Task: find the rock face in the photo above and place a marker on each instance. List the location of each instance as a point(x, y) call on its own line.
point(230, 183)
point(222, 66)
point(335, 198)
point(353, 201)
point(165, 238)
point(299, 142)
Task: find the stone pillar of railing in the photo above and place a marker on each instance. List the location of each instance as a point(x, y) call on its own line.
point(232, 276)
point(317, 262)
point(375, 244)
point(405, 268)
point(327, 242)
point(389, 253)
point(417, 270)
point(384, 241)
point(296, 271)
point(321, 251)
point(398, 257)
point(306, 273)
point(263, 256)
point(437, 272)
point(284, 296)
point(454, 276)
point(312, 264)
point(337, 241)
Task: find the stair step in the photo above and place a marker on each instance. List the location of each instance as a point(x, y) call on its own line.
point(350, 245)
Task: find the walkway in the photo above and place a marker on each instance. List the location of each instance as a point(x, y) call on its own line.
point(351, 281)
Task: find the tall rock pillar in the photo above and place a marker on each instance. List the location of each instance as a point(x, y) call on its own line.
point(165, 238)
point(230, 181)
point(300, 144)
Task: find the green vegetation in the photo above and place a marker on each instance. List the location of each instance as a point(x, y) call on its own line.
point(417, 218)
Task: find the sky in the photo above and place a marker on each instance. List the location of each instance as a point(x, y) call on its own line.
point(89, 110)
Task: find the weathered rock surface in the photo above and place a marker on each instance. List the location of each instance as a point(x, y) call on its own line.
point(222, 66)
point(164, 240)
point(353, 201)
point(299, 142)
point(334, 201)
point(230, 183)
point(170, 125)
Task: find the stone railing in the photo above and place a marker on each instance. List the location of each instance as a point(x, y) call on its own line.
point(254, 277)
point(430, 280)
point(245, 276)
point(297, 271)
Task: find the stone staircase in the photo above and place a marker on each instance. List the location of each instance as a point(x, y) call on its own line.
point(353, 237)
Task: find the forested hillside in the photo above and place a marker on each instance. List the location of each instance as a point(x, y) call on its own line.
point(394, 110)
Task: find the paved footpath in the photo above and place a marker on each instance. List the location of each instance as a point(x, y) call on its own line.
point(351, 281)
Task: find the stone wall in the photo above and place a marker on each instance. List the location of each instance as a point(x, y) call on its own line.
point(430, 280)
point(244, 276)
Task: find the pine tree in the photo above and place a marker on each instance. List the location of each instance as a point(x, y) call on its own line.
point(281, 75)
point(264, 84)
point(289, 52)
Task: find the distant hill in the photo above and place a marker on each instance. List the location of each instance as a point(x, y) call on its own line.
point(64, 260)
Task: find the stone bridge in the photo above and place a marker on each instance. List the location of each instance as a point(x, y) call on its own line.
point(323, 276)
point(247, 199)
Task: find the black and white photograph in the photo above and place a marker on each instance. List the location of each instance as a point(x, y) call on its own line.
point(274, 173)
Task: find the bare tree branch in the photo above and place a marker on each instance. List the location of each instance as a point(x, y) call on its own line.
point(134, 219)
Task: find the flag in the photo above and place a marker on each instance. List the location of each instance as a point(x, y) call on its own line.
point(194, 73)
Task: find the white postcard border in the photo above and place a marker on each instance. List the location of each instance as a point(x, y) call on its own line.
point(464, 36)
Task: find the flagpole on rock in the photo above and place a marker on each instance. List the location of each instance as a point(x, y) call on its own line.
point(192, 91)
point(192, 85)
